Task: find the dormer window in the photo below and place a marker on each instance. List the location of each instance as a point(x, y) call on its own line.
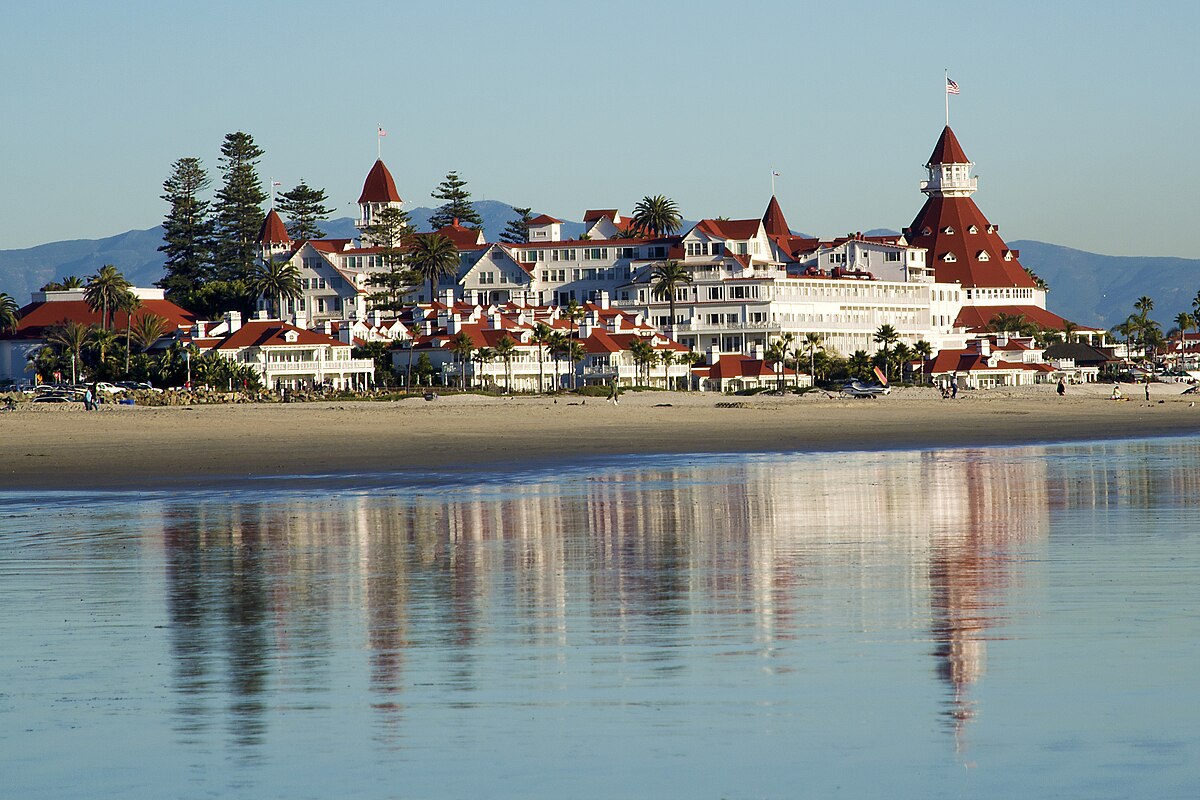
point(992, 229)
point(1008, 255)
point(948, 229)
point(983, 256)
point(949, 258)
point(972, 229)
point(926, 231)
point(290, 337)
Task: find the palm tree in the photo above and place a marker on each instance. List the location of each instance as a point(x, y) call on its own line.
point(666, 358)
point(902, 354)
point(434, 257)
point(924, 351)
point(859, 364)
point(886, 336)
point(414, 330)
point(70, 337)
point(542, 336)
point(812, 343)
point(1008, 323)
point(575, 353)
point(104, 290)
point(1144, 305)
point(462, 346)
point(665, 279)
point(643, 358)
point(1068, 331)
point(658, 214)
point(10, 312)
point(148, 329)
point(575, 312)
point(690, 358)
point(102, 342)
point(558, 345)
point(276, 280)
point(484, 356)
point(778, 353)
point(128, 303)
point(1184, 320)
point(505, 349)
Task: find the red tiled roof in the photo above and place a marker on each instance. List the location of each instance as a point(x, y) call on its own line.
point(773, 220)
point(544, 219)
point(959, 214)
point(270, 333)
point(738, 229)
point(948, 150)
point(464, 238)
point(273, 230)
point(379, 186)
point(330, 245)
point(978, 317)
point(35, 318)
point(736, 365)
point(592, 215)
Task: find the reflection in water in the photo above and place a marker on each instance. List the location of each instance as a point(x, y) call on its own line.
point(724, 615)
point(626, 560)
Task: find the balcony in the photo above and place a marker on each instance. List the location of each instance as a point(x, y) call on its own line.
point(314, 367)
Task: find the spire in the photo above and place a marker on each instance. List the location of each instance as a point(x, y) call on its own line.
point(379, 186)
point(948, 150)
point(773, 220)
point(273, 231)
point(949, 169)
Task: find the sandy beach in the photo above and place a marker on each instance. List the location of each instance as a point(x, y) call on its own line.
point(122, 447)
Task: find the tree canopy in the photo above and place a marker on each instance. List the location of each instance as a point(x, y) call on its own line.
point(304, 207)
point(456, 204)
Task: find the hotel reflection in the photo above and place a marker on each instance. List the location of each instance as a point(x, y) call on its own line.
point(265, 592)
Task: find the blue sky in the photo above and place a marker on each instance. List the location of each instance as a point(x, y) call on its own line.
point(1080, 116)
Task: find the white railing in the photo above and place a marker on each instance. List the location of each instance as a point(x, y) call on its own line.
point(351, 365)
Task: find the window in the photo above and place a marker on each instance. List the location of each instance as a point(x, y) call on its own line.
point(893, 255)
point(716, 293)
point(949, 258)
point(948, 229)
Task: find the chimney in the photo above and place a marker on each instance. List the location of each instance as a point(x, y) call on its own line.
point(200, 329)
point(495, 321)
point(327, 327)
point(454, 324)
point(471, 297)
point(603, 300)
point(233, 320)
point(261, 314)
point(448, 296)
point(756, 351)
point(714, 355)
point(1002, 340)
point(985, 346)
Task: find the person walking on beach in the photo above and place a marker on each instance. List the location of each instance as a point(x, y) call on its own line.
point(88, 399)
point(614, 393)
point(954, 390)
point(1062, 387)
point(1147, 390)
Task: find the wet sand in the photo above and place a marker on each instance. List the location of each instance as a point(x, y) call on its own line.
point(121, 447)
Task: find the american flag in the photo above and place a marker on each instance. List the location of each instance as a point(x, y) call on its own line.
point(951, 87)
point(382, 132)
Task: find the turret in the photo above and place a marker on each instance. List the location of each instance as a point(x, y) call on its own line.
point(949, 169)
point(379, 192)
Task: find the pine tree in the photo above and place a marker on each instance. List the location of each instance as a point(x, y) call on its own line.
point(457, 204)
point(517, 231)
point(238, 208)
point(304, 207)
point(187, 229)
point(392, 233)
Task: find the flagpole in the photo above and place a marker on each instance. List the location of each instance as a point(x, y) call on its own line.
point(946, 91)
point(773, 173)
point(378, 143)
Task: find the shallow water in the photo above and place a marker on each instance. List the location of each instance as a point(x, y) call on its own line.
point(984, 623)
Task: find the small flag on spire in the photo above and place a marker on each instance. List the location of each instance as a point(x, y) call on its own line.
point(951, 87)
point(276, 183)
point(776, 174)
point(382, 132)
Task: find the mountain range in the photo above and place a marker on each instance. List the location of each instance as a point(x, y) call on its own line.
point(1087, 288)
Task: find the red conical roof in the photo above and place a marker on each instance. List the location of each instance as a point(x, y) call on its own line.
point(948, 150)
point(379, 186)
point(773, 220)
point(273, 230)
point(956, 227)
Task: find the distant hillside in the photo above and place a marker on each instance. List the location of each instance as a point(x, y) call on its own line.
point(1101, 290)
point(1085, 287)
